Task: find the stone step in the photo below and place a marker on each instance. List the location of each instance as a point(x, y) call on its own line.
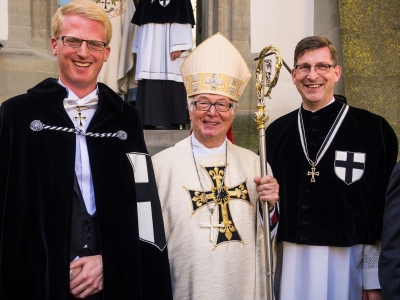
point(158, 140)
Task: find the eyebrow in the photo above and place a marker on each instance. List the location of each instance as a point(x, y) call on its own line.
point(318, 63)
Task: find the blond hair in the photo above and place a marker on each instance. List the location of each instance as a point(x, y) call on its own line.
point(83, 8)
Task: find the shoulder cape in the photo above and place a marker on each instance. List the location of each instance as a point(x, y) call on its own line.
point(175, 11)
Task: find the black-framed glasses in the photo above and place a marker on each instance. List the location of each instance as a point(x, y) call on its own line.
point(320, 68)
point(219, 106)
point(74, 42)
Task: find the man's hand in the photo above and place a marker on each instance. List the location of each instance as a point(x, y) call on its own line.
point(175, 54)
point(372, 295)
point(267, 189)
point(90, 279)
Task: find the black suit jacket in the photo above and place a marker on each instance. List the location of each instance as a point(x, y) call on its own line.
point(389, 261)
point(37, 170)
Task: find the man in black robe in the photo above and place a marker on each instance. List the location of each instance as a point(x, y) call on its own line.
point(333, 163)
point(70, 153)
point(162, 42)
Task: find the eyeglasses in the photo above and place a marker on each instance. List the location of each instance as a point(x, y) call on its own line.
point(320, 68)
point(206, 105)
point(74, 42)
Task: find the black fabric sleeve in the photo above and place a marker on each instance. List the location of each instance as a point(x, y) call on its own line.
point(390, 143)
point(389, 261)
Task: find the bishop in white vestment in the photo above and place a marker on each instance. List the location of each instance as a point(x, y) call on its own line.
point(207, 187)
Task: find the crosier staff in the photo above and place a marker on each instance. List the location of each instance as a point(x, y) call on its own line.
point(263, 79)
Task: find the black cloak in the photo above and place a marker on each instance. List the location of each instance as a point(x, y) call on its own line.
point(332, 211)
point(37, 170)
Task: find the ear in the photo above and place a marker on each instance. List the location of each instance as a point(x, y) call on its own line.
point(53, 43)
point(189, 110)
point(234, 111)
point(338, 72)
point(107, 51)
point(294, 76)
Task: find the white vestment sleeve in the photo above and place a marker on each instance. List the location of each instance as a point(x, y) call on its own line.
point(370, 266)
point(180, 37)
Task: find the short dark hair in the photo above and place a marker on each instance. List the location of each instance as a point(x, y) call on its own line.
point(312, 43)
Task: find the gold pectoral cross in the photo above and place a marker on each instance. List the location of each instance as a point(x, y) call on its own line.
point(212, 226)
point(312, 173)
point(221, 196)
point(79, 117)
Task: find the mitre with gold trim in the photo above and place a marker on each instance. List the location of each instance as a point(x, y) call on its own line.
point(215, 67)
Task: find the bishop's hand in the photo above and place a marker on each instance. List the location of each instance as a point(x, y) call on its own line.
point(267, 189)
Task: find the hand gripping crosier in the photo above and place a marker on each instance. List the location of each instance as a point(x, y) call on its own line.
point(263, 79)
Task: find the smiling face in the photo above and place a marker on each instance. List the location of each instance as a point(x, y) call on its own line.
point(210, 127)
point(316, 89)
point(80, 66)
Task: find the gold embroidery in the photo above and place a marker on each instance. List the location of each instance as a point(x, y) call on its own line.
point(228, 232)
point(203, 82)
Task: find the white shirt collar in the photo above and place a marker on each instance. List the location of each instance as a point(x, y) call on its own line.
point(333, 100)
point(73, 96)
point(201, 150)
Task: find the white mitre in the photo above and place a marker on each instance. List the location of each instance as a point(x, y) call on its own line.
point(215, 67)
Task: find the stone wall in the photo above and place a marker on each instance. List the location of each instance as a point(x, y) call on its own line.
point(371, 56)
point(26, 58)
point(366, 33)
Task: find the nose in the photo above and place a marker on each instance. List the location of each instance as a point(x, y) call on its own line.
point(83, 50)
point(312, 74)
point(212, 110)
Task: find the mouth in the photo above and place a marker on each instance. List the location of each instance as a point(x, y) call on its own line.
point(210, 123)
point(82, 64)
point(313, 86)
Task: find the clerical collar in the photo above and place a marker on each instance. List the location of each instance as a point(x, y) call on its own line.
point(73, 96)
point(200, 150)
point(333, 100)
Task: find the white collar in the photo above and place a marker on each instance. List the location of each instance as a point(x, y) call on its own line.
point(73, 96)
point(313, 111)
point(201, 150)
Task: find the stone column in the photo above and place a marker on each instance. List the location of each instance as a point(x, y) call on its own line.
point(327, 24)
point(26, 59)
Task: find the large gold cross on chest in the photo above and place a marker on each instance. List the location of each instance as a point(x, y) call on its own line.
point(228, 232)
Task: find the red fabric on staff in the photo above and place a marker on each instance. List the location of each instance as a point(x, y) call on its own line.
point(229, 134)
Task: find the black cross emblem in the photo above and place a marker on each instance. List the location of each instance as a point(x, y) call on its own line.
point(349, 165)
point(228, 232)
point(163, 1)
point(105, 4)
